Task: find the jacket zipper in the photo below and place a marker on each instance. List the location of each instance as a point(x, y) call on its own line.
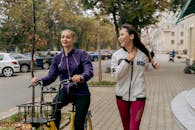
point(67, 64)
point(131, 80)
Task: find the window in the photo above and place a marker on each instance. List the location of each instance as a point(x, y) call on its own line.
point(1, 57)
point(172, 42)
point(181, 33)
point(173, 33)
point(181, 42)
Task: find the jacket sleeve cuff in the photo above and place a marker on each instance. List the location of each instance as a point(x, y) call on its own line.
point(82, 79)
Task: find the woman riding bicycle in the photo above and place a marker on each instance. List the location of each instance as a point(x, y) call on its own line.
point(75, 64)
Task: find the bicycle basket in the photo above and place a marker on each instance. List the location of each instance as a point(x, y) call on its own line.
point(35, 113)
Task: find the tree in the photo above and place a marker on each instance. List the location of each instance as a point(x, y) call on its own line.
point(137, 12)
point(176, 5)
point(15, 24)
point(52, 16)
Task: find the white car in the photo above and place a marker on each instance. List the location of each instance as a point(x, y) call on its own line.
point(8, 65)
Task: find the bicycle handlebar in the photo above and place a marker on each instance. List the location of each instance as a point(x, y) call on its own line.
point(36, 83)
point(66, 81)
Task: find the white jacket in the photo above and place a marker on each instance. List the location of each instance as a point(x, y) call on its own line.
point(129, 75)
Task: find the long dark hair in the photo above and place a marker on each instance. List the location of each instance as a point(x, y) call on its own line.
point(136, 41)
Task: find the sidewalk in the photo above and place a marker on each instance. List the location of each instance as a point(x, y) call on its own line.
point(162, 86)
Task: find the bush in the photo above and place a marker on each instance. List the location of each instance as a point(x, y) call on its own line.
point(189, 69)
point(9, 123)
point(102, 83)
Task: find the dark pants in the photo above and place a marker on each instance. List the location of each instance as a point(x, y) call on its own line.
point(81, 102)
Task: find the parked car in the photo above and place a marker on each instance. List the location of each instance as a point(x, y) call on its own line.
point(93, 55)
point(42, 60)
point(104, 55)
point(24, 61)
point(8, 65)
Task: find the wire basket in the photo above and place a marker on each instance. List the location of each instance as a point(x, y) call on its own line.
point(35, 113)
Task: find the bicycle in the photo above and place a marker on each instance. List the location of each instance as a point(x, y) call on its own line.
point(38, 115)
point(70, 116)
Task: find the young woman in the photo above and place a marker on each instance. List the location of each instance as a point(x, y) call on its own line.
point(128, 65)
point(75, 64)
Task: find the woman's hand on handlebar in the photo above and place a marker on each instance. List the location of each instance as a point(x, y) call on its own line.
point(34, 79)
point(35, 82)
point(77, 78)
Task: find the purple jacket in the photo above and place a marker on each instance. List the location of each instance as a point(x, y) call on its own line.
point(77, 62)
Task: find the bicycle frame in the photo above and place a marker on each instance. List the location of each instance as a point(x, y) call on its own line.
point(87, 124)
point(72, 113)
point(72, 119)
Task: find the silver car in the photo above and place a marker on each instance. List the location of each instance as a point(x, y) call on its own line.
point(8, 65)
point(24, 61)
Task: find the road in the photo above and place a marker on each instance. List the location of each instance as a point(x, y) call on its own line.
point(14, 90)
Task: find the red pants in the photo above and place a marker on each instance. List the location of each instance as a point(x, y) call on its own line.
point(130, 113)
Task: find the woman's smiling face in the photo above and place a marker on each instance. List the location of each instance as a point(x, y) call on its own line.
point(67, 38)
point(124, 37)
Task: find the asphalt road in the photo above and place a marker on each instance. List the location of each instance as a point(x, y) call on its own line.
point(14, 90)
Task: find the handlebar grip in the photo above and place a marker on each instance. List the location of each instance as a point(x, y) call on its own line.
point(38, 82)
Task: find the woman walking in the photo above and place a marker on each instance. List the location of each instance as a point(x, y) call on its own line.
point(128, 65)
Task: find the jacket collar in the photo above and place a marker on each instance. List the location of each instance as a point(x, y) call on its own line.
point(124, 49)
point(70, 53)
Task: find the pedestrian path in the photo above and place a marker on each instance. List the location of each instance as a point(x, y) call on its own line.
point(162, 86)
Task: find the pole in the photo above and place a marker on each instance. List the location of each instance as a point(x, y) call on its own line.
point(99, 56)
point(32, 53)
point(33, 37)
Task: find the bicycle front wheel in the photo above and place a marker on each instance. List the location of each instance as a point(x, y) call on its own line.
point(88, 124)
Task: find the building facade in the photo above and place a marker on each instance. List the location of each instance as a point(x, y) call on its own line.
point(187, 18)
point(167, 35)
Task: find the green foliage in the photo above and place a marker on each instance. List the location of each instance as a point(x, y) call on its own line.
point(102, 83)
point(8, 123)
point(51, 18)
point(10, 119)
point(176, 5)
point(190, 69)
point(137, 12)
point(14, 23)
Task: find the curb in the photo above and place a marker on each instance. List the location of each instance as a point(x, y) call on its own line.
point(8, 113)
